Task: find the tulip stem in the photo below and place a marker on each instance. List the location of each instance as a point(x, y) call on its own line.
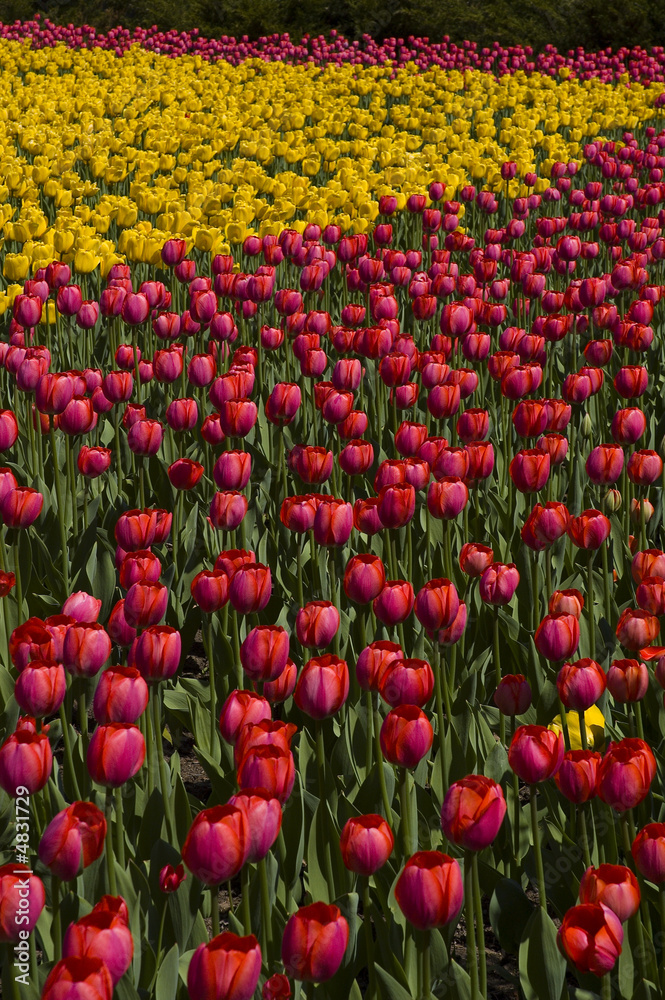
point(214, 908)
point(606, 987)
point(535, 837)
point(584, 837)
point(480, 928)
point(163, 777)
point(150, 746)
point(438, 689)
point(213, 693)
point(17, 574)
point(83, 714)
point(160, 938)
point(110, 857)
point(497, 671)
point(323, 806)
point(119, 828)
point(301, 598)
point(68, 750)
point(516, 823)
point(406, 824)
point(592, 624)
point(244, 900)
point(369, 708)
point(606, 582)
point(266, 908)
point(472, 967)
point(56, 925)
point(236, 649)
point(61, 511)
point(376, 721)
point(583, 739)
point(369, 938)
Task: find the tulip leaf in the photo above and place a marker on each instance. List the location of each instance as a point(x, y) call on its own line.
point(104, 582)
point(542, 966)
point(496, 764)
point(509, 912)
point(458, 978)
point(389, 988)
point(167, 976)
point(293, 829)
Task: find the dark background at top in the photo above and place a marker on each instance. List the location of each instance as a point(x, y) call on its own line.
point(593, 24)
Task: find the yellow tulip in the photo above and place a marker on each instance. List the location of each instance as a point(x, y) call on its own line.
point(16, 266)
point(594, 721)
point(85, 262)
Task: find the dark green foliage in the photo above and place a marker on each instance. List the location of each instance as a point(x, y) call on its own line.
point(593, 24)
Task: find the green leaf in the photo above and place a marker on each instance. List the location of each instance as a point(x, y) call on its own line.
point(390, 989)
point(509, 912)
point(167, 977)
point(542, 967)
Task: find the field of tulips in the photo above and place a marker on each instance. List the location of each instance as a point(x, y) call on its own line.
point(332, 520)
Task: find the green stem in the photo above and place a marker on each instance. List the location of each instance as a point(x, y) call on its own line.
point(583, 739)
point(214, 909)
point(17, 574)
point(606, 987)
point(68, 751)
point(266, 908)
point(535, 836)
point(323, 805)
point(244, 900)
point(150, 748)
point(56, 924)
point(517, 811)
point(213, 694)
point(471, 963)
point(606, 583)
point(83, 713)
point(163, 777)
point(592, 623)
point(110, 856)
point(406, 824)
point(369, 939)
point(480, 928)
point(160, 938)
point(119, 828)
point(61, 511)
point(497, 673)
point(376, 725)
point(584, 836)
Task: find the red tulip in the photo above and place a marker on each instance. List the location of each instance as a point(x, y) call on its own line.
point(240, 709)
point(268, 767)
point(447, 498)
point(395, 602)
point(157, 652)
point(580, 684)
point(406, 736)
point(625, 774)
point(364, 578)
point(78, 979)
point(429, 891)
point(472, 812)
point(576, 778)
point(535, 753)
point(264, 820)
point(103, 935)
point(613, 885)
point(317, 624)
point(22, 899)
point(513, 694)
point(251, 587)
point(115, 754)
point(648, 852)
point(121, 695)
point(41, 687)
point(406, 682)
point(589, 530)
point(636, 628)
point(323, 686)
point(217, 844)
point(73, 840)
point(170, 878)
point(226, 968)
point(314, 943)
point(366, 844)
point(591, 937)
point(474, 559)
point(26, 761)
point(530, 469)
point(264, 652)
point(498, 583)
point(437, 604)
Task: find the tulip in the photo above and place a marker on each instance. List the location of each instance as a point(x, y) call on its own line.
point(251, 587)
point(21, 506)
point(366, 844)
point(406, 682)
point(314, 942)
point(184, 473)
point(535, 753)
point(568, 602)
point(73, 840)
point(437, 604)
point(26, 761)
point(227, 510)
point(41, 687)
point(120, 631)
point(605, 463)
point(242, 708)
point(513, 694)
point(591, 937)
point(429, 890)
point(103, 935)
point(139, 566)
point(589, 530)
point(75, 978)
point(269, 767)
point(373, 661)
point(115, 754)
point(364, 578)
point(576, 778)
point(627, 680)
point(636, 628)
point(265, 652)
point(170, 878)
point(472, 812)
point(530, 469)
point(406, 736)
point(93, 462)
point(613, 885)
point(226, 968)
point(136, 529)
point(395, 602)
point(317, 624)
point(264, 820)
point(121, 695)
point(625, 774)
point(217, 844)
point(333, 522)
point(86, 649)
point(644, 467)
point(323, 686)
point(232, 470)
point(648, 852)
point(580, 684)
point(145, 603)
point(22, 899)
point(649, 563)
point(82, 607)
point(396, 505)
point(157, 652)
point(474, 559)
point(498, 583)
